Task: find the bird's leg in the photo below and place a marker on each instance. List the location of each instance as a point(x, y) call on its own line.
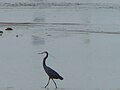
point(48, 82)
point(55, 83)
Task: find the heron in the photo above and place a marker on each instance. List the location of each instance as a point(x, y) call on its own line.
point(50, 72)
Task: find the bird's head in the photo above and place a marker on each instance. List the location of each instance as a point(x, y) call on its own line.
point(43, 52)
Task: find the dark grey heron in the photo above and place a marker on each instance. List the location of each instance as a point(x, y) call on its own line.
point(50, 72)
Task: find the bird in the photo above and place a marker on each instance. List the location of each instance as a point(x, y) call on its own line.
point(50, 72)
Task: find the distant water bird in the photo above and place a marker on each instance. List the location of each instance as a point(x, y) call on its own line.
point(50, 72)
point(1, 31)
point(9, 29)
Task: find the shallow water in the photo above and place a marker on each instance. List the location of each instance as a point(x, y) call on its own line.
point(83, 46)
point(84, 60)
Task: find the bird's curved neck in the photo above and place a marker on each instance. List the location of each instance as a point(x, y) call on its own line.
point(44, 64)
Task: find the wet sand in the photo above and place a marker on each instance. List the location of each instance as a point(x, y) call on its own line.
point(83, 46)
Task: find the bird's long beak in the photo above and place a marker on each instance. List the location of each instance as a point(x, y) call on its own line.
point(41, 53)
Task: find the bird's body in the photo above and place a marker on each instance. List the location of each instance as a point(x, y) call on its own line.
point(50, 72)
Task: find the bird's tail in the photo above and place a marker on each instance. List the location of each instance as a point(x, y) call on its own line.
point(61, 78)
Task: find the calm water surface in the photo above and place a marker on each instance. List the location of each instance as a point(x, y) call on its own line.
point(82, 45)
